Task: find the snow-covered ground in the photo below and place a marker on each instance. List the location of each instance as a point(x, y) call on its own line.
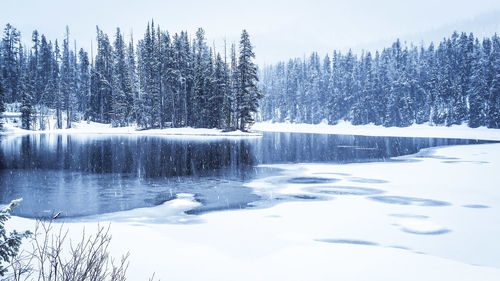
point(89, 128)
point(346, 128)
point(429, 216)
point(342, 128)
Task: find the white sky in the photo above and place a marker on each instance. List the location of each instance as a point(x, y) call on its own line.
point(278, 29)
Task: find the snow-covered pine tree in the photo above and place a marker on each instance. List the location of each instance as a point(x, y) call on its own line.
point(248, 94)
point(477, 88)
point(10, 62)
point(26, 90)
point(170, 84)
point(211, 109)
point(121, 84)
point(67, 90)
point(228, 99)
point(135, 101)
point(218, 93)
point(45, 74)
point(56, 85)
point(102, 72)
point(493, 98)
point(83, 77)
point(146, 78)
point(234, 86)
point(35, 77)
point(156, 91)
point(201, 82)
point(2, 104)
point(325, 89)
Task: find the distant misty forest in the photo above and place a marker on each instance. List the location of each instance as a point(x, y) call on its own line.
point(454, 82)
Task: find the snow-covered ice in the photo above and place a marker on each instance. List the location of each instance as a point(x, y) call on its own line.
point(399, 220)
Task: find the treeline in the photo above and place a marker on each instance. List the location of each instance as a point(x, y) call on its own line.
point(163, 80)
point(458, 81)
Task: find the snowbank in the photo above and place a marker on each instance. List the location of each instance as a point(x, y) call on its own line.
point(346, 128)
point(107, 129)
point(413, 219)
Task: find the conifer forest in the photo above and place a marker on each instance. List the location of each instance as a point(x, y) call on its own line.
point(163, 80)
point(456, 81)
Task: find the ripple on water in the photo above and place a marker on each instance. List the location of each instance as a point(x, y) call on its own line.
point(476, 206)
point(420, 225)
point(402, 200)
point(345, 190)
point(348, 241)
point(364, 180)
point(399, 247)
point(311, 180)
point(458, 162)
point(328, 173)
point(409, 216)
point(426, 232)
point(305, 197)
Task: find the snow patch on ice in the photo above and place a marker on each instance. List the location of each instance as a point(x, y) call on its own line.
point(423, 227)
point(170, 212)
point(403, 200)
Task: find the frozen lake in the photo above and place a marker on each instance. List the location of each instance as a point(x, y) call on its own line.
point(94, 174)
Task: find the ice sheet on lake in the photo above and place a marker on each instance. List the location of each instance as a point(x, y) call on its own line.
point(281, 242)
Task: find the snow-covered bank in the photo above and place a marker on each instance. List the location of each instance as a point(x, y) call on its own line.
point(346, 128)
point(430, 216)
point(107, 129)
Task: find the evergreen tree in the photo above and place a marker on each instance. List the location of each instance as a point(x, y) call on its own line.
point(84, 84)
point(201, 79)
point(2, 104)
point(102, 74)
point(44, 77)
point(135, 102)
point(493, 99)
point(478, 88)
point(228, 99)
point(121, 84)
point(10, 62)
point(56, 87)
point(67, 90)
point(170, 80)
point(234, 87)
point(26, 89)
point(453, 83)
point(248, 94)
point(217, 100)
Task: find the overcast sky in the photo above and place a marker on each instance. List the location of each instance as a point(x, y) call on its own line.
point(278, 29)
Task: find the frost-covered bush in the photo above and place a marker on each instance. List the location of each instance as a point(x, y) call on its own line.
point(50, 255)
point(9, 244)
point(55, 257)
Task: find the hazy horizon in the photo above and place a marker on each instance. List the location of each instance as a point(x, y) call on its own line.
point(279, 30)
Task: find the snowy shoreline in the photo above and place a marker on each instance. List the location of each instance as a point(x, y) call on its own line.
point(94, 128)
point(342, 128)
point(395, 225)
point(421, 131)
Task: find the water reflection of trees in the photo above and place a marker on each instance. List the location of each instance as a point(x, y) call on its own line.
point(138, 156)
point(297, 148)
point(155, 157)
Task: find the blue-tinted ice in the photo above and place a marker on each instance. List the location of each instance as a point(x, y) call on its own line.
point(83, 175)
